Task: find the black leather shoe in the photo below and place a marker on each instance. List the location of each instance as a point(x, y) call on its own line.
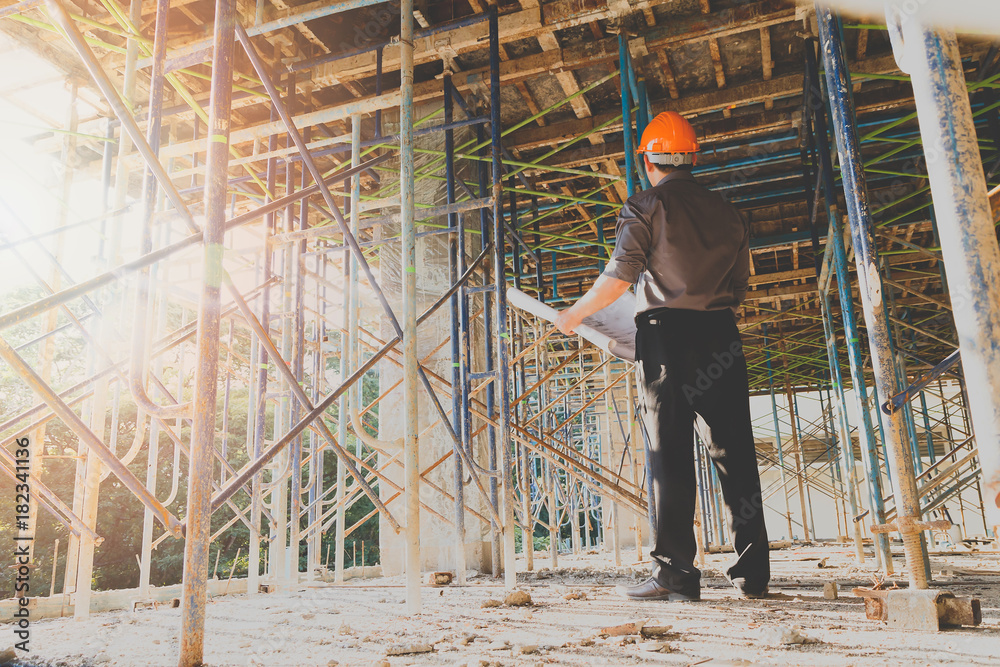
point(651, 589)
point(750, 594)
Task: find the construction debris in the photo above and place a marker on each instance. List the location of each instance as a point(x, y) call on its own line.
point(517, 598)
point(786, 636)
point(623, 629)
point(830, 591)
point(928, 610)
point(654, 647)
point(408, 649)
point(656, 631)
point(440, 578)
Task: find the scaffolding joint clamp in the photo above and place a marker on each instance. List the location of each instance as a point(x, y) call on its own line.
point(910, 525)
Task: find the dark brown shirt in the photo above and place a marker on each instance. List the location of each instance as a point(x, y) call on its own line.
point(683, 246)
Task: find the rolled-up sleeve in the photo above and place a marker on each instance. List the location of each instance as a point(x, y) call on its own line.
point(633, 239)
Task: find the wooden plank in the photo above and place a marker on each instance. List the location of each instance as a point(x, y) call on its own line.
point(720, 74)
point(564, 14)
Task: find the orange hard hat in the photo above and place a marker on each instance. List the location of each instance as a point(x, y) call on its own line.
point(669, 139)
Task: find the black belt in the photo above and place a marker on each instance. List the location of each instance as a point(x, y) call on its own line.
point(652, 316)
point(663, 315)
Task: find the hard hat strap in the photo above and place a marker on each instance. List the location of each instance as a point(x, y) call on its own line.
point(672, 159)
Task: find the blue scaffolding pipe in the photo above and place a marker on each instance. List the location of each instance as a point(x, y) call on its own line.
point(855, 354)
point(867, 261)
point(627, 136)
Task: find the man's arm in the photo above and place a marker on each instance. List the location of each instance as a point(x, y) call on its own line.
point(604, 292)
point(633, 234)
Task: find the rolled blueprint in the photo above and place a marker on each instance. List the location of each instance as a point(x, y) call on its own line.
point(612, 329)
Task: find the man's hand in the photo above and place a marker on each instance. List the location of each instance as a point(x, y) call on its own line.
point(605, 290)
point(567, 321)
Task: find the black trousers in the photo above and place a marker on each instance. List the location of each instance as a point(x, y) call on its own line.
point(691, 362)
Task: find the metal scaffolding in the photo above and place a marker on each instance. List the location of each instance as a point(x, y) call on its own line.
point(298, 206)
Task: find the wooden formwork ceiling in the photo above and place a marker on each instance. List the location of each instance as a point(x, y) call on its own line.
point(733, 67)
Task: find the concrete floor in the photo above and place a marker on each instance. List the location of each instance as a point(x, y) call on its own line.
point(360, 624)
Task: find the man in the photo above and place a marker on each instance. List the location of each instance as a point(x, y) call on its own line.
point(687, 252)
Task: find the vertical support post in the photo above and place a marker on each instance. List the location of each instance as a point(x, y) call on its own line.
point(199, 519)
point(411, 457)
point(866, 260)
point(488, 344)
point(826, 415)
point(623, 77)
point(610, 511)
point(965, 224)
point(928, 433)
point(315, 551)
point(92, 469)
point(805, 463)
point(70, 574)
point(851, 330)
point(455, 244)
point(347, 404)
point(503, 335)
point(634, 442)
point(847, 464)
point(796, 451)
point(777, 436)
point(297, 321)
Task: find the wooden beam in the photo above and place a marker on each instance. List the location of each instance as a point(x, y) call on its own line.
point(529, 100)
point(712, 101)
point(566, 78)
point(562, 14)
point(708, 133)
point(860, 53)
point(720, 74)
point(766, 64)
point(667, 74)
point(733, 96)
point(620, 188)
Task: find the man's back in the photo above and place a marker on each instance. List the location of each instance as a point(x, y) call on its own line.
point(683, 246)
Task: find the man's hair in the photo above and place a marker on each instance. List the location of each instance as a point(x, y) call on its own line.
point(667, 168)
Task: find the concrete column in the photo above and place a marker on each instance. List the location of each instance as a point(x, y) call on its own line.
point(965, 225)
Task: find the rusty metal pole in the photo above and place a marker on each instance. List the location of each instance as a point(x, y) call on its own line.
point(199, 519)
point(611, 511)
point(502, 328)
point(633, 426)
point(965, 226)
point(411, 457)
point(866, 258)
